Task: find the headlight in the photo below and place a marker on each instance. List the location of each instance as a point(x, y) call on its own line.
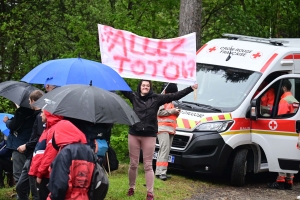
point(218, 126)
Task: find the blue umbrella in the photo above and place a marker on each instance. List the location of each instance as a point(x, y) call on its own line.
point(76, 71)
point(3, 127)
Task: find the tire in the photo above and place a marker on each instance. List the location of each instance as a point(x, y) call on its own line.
point(239, 168)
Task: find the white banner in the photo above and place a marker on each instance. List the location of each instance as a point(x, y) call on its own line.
point(132, 56)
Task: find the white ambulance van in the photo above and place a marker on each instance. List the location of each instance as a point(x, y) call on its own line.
point(224, 127)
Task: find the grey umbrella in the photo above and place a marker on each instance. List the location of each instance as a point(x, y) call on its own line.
point(88, 103)
point(17, 92)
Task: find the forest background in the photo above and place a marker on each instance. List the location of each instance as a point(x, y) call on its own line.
point(35, 31)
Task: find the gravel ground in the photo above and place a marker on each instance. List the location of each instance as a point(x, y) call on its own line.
point(249, 192)
point(219, 188)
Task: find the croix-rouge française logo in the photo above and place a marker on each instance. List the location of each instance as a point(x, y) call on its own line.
point(212, 49)
point(273, 125)
point(256, 55)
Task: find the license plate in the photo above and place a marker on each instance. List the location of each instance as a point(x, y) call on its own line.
point(170, 160)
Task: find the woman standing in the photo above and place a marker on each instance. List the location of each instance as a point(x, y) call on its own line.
point(142, 135)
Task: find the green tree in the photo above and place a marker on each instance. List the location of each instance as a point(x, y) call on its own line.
point(32, 32)
point(190, 19)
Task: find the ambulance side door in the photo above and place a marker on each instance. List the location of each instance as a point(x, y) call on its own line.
point(276, 133)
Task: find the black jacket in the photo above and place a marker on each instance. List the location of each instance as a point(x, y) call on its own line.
point(37, 131)
point(20, 127)
point(146, 109)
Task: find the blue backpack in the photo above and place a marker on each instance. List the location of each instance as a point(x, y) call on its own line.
point(101, 147)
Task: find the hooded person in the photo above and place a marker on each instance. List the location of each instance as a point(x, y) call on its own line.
point(142, 135)
point(40, 163)
point(72, 169)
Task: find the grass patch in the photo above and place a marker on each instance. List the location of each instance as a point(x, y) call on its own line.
point(178, 187)
point(6, 192)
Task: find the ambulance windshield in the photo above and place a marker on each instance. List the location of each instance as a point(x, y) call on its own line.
point(221, 87)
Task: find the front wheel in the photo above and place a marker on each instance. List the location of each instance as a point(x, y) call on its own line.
point(239, 168)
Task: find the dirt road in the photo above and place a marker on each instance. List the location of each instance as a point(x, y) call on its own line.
point(219, 188)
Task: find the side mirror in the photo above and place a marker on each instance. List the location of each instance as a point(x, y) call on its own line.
point(253, 110)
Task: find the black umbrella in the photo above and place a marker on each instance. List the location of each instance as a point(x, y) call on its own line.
point(17, 92)
point(88, 103)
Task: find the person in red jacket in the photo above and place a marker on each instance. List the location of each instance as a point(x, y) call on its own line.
point(40, 164)
point(72, 169)
point(267, 100)
point(166, 117)
point(287, 104)
point(260, 88)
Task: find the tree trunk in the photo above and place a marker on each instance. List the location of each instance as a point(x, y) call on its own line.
point(190, 19)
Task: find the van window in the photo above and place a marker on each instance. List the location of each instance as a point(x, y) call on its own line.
point(285, 95)
point(222, 87)
point(288, 104)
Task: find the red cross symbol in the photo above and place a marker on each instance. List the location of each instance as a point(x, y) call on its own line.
point(273, 125)
point(212, 49)
point(256, 55)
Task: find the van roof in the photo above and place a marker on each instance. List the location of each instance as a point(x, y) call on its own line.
point(246, 52)
point(289, 42)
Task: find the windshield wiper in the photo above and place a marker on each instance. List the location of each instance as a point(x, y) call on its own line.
point(181, 104)
point(203, 106)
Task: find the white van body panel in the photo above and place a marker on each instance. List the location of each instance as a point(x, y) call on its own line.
point(230, 72)
point(265, 59)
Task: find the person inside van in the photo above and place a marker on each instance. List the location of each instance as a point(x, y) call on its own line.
point(267, 100)
point(287, 104)
point(260, 88)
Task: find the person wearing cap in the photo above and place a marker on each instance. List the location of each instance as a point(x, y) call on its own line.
point(48, 86)
point(166, 117)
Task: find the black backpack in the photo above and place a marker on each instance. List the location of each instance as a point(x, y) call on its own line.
point(99, 183)
point(112, 159)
